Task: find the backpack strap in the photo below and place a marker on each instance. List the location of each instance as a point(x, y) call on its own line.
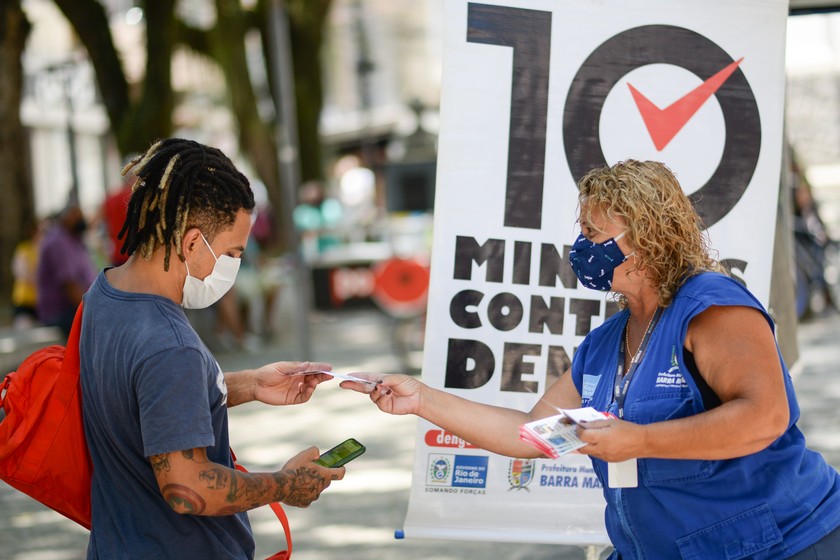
point(281, 516)
point(71, 352)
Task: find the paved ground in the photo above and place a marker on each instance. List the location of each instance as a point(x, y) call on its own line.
point(355, 519)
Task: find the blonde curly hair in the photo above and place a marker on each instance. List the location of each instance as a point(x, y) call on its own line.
point(666, 233)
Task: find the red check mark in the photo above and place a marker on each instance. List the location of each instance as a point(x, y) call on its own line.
point(664, 124)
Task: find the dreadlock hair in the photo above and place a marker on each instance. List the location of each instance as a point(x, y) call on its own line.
point(181, 184)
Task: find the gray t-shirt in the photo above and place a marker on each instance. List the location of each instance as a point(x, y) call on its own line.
point(150, 386)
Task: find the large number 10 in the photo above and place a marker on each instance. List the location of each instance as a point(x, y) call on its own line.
point(528, 32)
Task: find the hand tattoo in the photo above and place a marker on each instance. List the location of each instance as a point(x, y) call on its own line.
point(299, 488)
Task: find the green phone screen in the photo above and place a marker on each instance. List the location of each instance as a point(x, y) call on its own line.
point(341, 454)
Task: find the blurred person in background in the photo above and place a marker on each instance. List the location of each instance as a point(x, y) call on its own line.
point(243, 315)
point(264, 273)
point(357, 193)
point(65, 268)
point(25, 273)
point(814, 292)
point(113, 213)
point(230, 323)
point(316, 216)
point(257, 288)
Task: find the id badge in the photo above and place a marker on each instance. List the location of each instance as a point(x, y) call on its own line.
point(623, 475)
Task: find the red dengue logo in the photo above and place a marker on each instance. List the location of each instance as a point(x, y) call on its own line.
point(442, 438)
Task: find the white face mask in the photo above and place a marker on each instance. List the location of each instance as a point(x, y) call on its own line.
point(199, 294)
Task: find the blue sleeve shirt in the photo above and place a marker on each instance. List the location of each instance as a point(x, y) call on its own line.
point(766, 505)
point(150, 386)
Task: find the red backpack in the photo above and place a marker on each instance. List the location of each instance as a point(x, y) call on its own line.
point(43, 451)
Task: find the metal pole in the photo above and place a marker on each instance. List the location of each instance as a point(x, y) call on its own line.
point(287, 146)
point(66, 71)
point(364, 68)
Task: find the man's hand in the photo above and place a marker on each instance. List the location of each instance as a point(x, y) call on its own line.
point(276, 383)
point(302, 480)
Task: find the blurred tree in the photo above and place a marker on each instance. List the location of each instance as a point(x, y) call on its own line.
point(306, 30)
point(138, 119)
point(141, 113)
point(18, 206)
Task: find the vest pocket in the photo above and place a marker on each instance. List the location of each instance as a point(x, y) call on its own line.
point(664, 472)
point(747, 535)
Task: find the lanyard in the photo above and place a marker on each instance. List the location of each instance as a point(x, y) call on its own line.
point(622, 381)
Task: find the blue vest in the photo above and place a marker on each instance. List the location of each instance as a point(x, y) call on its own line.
point(767, 505)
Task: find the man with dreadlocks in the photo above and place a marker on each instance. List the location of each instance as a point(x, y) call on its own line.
point(155, 399)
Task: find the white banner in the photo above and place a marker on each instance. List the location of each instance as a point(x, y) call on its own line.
point(536, 93)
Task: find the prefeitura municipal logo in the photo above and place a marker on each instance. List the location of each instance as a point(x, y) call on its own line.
point(521, 473)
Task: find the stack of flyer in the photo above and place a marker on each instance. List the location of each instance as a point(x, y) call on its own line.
point(556, 435)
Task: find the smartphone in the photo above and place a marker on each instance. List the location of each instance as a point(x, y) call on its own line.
point(341, 454)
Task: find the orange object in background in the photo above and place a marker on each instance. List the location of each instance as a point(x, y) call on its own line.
point(401, 286)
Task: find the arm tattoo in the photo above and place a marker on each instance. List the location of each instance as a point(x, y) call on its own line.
point(216, 479)
point(282, 489)
point(246, 486)
point(255, 488)
point(183, 499)
point(234, 488)
point(160, 463)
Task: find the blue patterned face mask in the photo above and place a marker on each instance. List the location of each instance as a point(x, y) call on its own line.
point(594, 263)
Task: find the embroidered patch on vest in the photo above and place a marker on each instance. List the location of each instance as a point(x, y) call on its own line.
point(673, 377)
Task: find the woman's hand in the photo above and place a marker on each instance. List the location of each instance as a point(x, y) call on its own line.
point(395, 394)
point(611, 440)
